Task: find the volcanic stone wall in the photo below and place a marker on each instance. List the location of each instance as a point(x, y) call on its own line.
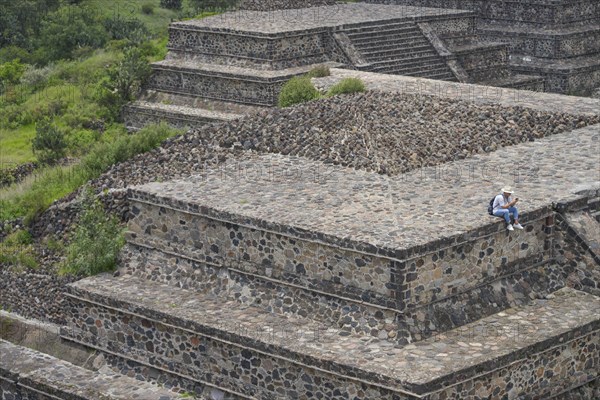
point(535, 12)
point(256, 51)
point(268, 5)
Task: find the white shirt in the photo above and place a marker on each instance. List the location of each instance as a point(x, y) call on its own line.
point(500, 201)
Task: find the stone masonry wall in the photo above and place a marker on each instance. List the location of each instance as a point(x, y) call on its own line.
point(443, 272)
point(311, 264)
point(204, 357)
point(275, 296)
point(536, 12)
point(216, 86)
point(252, 50)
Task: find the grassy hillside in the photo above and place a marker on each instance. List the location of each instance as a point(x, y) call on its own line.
point(65, 72)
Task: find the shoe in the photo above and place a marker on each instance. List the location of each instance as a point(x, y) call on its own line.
point(518, 226)
point(510, 227)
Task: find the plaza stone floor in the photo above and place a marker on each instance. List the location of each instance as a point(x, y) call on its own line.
point(347, 206)
point(284, 21)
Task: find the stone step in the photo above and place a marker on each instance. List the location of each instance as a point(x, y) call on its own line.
point(395, 45)
point(378, 25)
point(431, 72)
point(517, 81)
point(433, 69)
point(142, 113)
point(441, 74)
point(348, 315)
point(398, 52)
point(222, 82)
point(29, 374)
point(425, 59)
point(384, 33)
point(387, 39)
point(201, 340)
point(271, 294)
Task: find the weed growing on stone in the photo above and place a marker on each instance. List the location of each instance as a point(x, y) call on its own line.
point(96, 242)
point(346, 86)
point(17, 250)
point(297, 90)
point(319, 72)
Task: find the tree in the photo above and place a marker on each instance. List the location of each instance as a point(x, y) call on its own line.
point(68, 29)
point(123, 82)
point(49, 143)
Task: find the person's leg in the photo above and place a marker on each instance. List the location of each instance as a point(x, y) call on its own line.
point(503, 213)
point(515, 214)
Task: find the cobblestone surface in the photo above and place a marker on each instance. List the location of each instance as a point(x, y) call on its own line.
point(389, 212)
point(461, 91)
point(281, 21)
point(499, 339)
point(60, 378)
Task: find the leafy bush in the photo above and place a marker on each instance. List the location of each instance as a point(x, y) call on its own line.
point(49, 143)
point(68, 29)
point(171, 4)
point(297, 90)
point(123, 82)
point(10, 53)
point(17, 250)
point(148, 8)
point(131, 29)
point(319, 72)
point(11, 73)
point(96, 242)
point(347, 85)
point(36, 78)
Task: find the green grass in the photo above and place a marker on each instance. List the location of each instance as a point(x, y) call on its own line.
point(15, 145)
point(36, 193)
point(65, 92)
point(17, 250)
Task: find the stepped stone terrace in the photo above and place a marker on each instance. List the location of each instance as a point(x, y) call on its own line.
point(279, 277)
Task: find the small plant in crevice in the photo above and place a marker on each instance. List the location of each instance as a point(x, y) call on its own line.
point(17, 250)
point(346, 86)
point(96, 242)
point(297, 90)
point(319, 72)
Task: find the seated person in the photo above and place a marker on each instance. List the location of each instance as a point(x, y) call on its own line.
point(504, 205)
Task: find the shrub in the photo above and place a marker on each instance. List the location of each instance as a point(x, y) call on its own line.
point(130, 29)
point(49, 143)
point(17, 250)
point(10, 73)
point(10, 53)
point(36, 78)
point(68, 29)
point(319, 72)
point(148, 8)
point(347, 85)
point(171, 4)
point(297, 90)
point(96, 241)
point(123, 82)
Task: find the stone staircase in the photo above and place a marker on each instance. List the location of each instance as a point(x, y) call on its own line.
point(28, 374)
point(224, 291)
point(398, 48)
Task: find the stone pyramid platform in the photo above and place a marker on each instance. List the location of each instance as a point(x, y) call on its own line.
point(556, 39)
point(278, 277)
point(228, 65)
